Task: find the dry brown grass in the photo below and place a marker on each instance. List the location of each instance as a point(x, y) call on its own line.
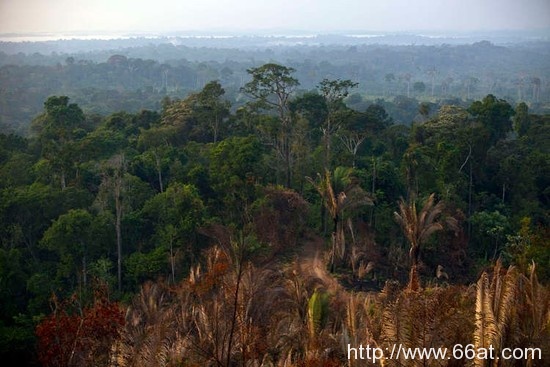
point(196, 322)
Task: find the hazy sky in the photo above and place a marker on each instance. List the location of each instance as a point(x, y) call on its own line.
point(20, 16)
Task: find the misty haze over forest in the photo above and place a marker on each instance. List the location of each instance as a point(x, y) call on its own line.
point(428, 67)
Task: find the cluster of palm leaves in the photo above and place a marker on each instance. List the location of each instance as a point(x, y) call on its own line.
point(418, 226)
point(512, 311)
point(341, 195)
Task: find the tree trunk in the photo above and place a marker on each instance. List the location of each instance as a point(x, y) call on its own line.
point(414, 255)
point(414, 282)
point(235, 310)
point(334, 242)
point(63, 180)
point(470, 203)
point(159, 171)
point(287, 153)
point(373, 190)
point(215, 127)
point(172, 260)
point(84, 271)
point(327, 135)
point(118, 209)
point(118, 183)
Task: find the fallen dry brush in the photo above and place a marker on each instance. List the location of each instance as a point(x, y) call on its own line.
point(232, 312)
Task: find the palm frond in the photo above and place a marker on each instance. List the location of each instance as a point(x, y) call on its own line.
point(419, 226)
point(485, 325)
point(496, 303)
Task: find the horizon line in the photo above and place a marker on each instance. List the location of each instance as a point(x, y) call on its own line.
point(285, 31)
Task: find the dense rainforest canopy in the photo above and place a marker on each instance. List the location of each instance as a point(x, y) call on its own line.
point(207, 216)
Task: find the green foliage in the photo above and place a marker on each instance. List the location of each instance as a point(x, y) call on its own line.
point(271, 89)
point(492, 227)
point(57, 128)
point(234, 169)
point(179, 206)
point(133, 197)
point(495, 115)
point(172, 220)
point(17, 339)
point(527, 246)
point(312, 106)
point(17, 170)
point(145, 266)
point(317, 311)
point(77, 238)
point(271, 86)
point(102, 271)
point(334, 91)
point(521, 119)
point(211, 110)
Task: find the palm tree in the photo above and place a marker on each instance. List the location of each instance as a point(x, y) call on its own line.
point(339, 193)
point(419, 226)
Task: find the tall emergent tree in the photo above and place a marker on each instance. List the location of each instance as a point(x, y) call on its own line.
point(521, 119)
point(56, 128)
point(211, 109)
point(333, 91)
point(112, 188)
point(495, 115)
point(271, 88)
